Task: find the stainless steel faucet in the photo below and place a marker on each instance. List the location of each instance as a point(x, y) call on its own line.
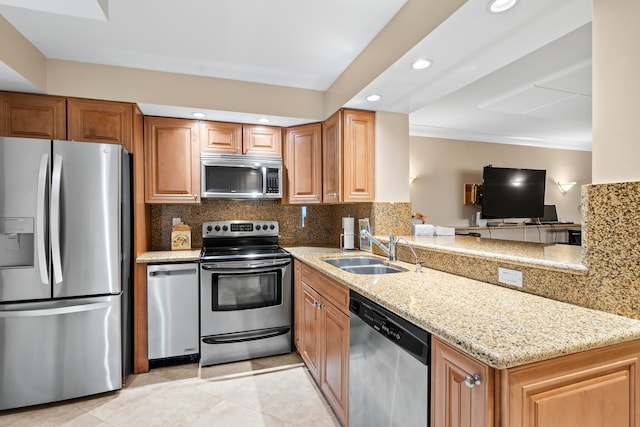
point(389, 251)
point(415, 256)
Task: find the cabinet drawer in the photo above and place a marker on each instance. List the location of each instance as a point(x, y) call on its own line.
point(334, 292)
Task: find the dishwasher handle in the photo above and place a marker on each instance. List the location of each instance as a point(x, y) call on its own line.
point(181, 272)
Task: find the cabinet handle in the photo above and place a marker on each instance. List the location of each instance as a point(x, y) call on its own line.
point(472, 380)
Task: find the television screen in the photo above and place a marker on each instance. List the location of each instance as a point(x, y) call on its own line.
point(512, 193)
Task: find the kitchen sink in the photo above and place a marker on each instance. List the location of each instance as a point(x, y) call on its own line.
point(373, 269)
point(353, 261)
point(363, 265)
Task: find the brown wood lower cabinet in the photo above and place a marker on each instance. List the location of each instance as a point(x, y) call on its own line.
point(322, 335)
point(595, 388)
point(454, 403)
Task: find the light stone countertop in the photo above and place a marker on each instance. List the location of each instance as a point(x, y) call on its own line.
point(566, 258)
point(499, 326)
point(168, 256)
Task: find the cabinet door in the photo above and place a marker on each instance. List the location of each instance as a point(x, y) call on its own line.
point(311, 331)
point(335, 376)
point(100, 121)
point(332, 158)
point(261, 140)
point(172, 160)
point(303, 163)
point(359, 156)
point(453, 402)
point(33, 116)
point(219, 137)
point(591, 389)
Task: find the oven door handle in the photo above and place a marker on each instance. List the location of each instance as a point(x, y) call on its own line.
point(243, 265)
point(238, 337)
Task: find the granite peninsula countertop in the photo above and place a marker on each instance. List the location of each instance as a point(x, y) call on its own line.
point(501, 327)
point(559, 257)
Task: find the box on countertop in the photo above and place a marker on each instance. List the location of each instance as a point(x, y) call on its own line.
point(180, 237)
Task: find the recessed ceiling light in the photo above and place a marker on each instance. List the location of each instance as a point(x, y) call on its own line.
point(498, 6)
point(374, 97)
point(263, 120)
point(198, 115)
point(421, 64)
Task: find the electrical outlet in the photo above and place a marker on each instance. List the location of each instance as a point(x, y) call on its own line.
point(175, 221)
point(510, 277)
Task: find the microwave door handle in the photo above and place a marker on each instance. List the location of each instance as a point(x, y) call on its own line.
point(40, 219)
point(264, 180)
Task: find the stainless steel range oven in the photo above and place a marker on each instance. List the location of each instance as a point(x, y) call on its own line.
point(245, 292)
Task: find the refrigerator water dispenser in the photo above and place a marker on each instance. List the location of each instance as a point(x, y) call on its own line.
point(16, 242)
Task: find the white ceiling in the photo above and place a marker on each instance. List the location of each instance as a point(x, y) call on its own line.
point(520, 77)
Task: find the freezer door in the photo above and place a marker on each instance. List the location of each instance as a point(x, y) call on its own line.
point(59, 350)
point(24, 180)
point(86, 218)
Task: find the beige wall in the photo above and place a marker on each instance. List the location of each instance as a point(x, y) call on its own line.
point(392, 157)
point(616, 110)
point(442, 166)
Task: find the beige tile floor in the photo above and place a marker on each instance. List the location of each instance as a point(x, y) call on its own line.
point(273, 391)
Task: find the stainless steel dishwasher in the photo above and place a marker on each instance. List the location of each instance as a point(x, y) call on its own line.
point(173, 306)
point(388, 368)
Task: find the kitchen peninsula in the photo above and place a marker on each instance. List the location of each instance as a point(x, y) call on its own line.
point(528, 353)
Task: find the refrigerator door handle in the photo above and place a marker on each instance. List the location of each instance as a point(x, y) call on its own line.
point(56, 311)
point(40, 219)
point(56, 177)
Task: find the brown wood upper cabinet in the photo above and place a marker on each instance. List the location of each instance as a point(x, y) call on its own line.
point(100, 121)
point(236, 138)
point(172, 160)
point(220, 137)
point(33, 116)
point(302, 159)
point(348, 157)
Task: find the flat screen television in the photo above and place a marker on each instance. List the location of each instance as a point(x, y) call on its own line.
point(512, 193)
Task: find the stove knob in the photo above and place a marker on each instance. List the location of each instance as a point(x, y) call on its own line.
point(217, 228)
point(209, 228)
point(272, 226)
point(225, 228)
point(258, 227)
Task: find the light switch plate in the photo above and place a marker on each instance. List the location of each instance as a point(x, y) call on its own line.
point(510, 277)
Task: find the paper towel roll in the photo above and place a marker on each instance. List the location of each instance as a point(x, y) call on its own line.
point(348, 226)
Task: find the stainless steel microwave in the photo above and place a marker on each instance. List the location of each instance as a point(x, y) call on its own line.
point(240, 176)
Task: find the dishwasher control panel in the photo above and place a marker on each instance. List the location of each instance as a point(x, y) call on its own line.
point(403, 333)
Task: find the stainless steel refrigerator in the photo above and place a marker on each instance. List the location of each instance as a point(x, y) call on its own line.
point(65, 264)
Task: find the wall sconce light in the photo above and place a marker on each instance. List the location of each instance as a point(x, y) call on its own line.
point(565, 186)
point(411, 179)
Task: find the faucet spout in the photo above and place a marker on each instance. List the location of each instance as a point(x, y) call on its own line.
point(389, 251)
